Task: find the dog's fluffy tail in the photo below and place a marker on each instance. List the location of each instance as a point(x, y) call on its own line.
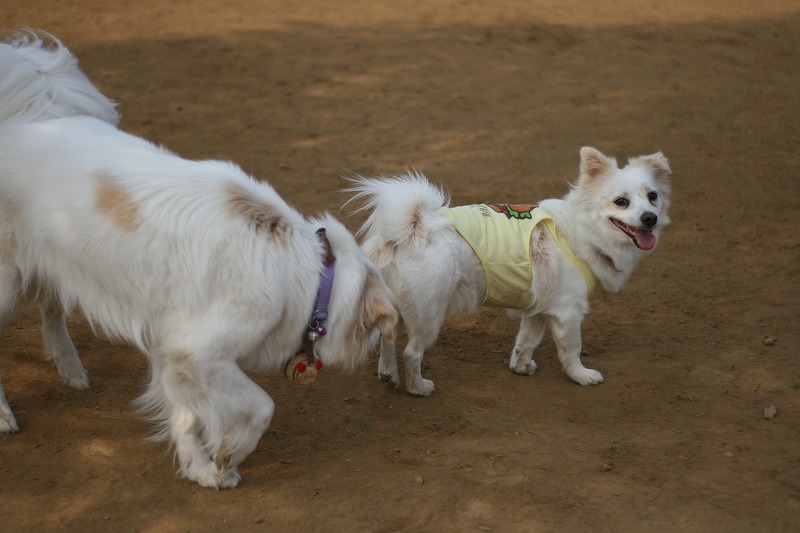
point(40, 80)
point(402, 211)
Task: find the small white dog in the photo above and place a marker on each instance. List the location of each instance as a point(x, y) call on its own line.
point(205, 269)
point(542, 260)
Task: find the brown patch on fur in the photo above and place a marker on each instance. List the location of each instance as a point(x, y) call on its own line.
point(384, 255)
point(542, 260)
point(658, 166)
point(594, 163)
point(113, 200)
point(261, 216)
point(378, 309)
point(179, 357)
point(539, 250)
point(415, 219)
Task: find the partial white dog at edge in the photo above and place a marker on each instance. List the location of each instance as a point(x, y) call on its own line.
point(205, 269)
point(610, 219)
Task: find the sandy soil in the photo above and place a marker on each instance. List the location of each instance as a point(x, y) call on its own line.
point(493, 99)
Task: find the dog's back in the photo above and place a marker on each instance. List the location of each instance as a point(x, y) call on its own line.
point(40, 80)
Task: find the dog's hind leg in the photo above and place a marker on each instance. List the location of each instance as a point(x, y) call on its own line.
point(9, 292)
point(423, 314)
point(567, 334)
point(387, 362)
point(58, 346)
point(531, 331)
point(421, 335)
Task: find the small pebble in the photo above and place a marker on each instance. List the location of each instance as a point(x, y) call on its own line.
point(419, 480)
point(770, 412)
point(728, 454)
point(769, 341)
point(607, 468)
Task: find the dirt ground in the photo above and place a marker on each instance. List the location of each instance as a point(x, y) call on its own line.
point(494, 100)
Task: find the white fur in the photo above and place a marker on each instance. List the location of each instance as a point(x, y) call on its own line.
point(205, 269)
point(433, 272)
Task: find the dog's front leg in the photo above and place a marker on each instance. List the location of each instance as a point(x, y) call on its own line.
point(531, 331)
point(186, 437)
point(9, 291)
point(58, 346)
point(217, 416)
point(567, 334)
point(8, 424)
point(416, 385)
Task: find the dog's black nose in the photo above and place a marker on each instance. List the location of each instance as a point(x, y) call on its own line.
point(649, 219)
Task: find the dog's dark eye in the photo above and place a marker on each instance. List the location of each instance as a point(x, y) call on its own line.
point(621, 202)
point(652, 196)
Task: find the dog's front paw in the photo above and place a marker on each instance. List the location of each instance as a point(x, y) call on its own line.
point(75, 376)
point(387, 369)
point(211, 476)
point(8, 424)
point(229, 478)
point(420, 387)
point(521, 367)
point(584, 376)
point(63, 354)
point(392, 379)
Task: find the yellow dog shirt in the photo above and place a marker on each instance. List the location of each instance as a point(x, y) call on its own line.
point(500, 235)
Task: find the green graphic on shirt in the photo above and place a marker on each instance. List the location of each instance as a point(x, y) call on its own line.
point(515, 211)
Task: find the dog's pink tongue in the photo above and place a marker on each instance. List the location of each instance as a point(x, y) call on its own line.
point(645, 239)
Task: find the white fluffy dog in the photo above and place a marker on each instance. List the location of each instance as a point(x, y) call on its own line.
point(206, 270)
point(607, 223)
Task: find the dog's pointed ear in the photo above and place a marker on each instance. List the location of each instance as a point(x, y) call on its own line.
point(657, 165)
point(594, 164)
point(378, 310)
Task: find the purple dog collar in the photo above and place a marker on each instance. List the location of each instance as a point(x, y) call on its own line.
point(304, 366)
point(315, 326)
